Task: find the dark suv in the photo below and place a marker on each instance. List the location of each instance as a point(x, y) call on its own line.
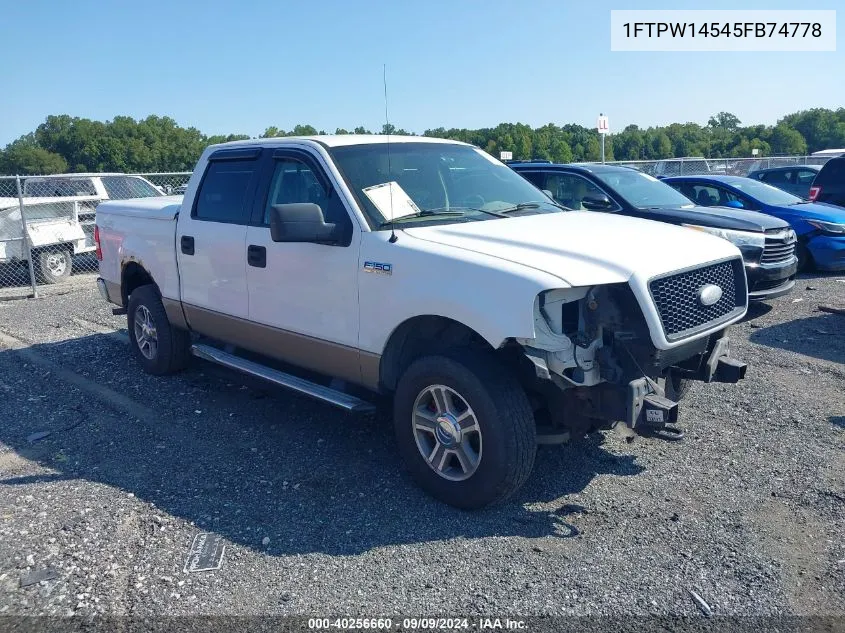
point(829, 184)
point(767, 243)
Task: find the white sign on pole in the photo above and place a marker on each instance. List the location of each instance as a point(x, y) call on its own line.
point(505, 155)
point(602, 125)
point(754, 152)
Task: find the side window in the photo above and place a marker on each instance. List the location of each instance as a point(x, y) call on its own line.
point(705, 196)
point(226, 191)
point(536, 178)
point(806, 177)
point(294, 182)
point(774, 177)
point(570, 189)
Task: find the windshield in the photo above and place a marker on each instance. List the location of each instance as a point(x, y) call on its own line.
point(641, 190)
point(434, 182)
point(125, 187)
point(765, 193)
point(59, 187)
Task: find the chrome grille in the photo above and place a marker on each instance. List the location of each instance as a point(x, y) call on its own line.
point(676, 297)
point(780, 247)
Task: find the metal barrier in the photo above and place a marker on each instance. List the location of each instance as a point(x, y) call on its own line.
point(47, 223)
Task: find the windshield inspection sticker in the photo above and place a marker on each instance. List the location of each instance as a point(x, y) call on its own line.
point(206, 553)
point(390, 195)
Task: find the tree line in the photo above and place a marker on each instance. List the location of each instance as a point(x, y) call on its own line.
point(73, 144)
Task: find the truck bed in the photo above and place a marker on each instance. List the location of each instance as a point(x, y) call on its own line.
point(141, 230)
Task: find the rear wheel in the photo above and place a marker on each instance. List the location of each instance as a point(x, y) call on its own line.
point(464, 429)
point(158, 346)
point(54, 265)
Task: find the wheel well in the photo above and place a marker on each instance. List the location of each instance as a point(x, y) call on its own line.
point(423, 335)
point(134, 276)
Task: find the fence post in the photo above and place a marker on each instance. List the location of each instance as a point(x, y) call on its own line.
point(27, 247)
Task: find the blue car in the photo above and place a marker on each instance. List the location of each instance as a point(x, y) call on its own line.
point(820, 227)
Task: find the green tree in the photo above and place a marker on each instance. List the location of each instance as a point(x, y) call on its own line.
point(24, 157)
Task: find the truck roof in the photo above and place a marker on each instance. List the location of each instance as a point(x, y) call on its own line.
point(339, 140)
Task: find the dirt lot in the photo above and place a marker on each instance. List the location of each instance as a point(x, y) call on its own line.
point(318, 519)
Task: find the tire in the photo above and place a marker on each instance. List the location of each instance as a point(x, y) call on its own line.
point(54, 266)
point(505, 442)
point(163, 349)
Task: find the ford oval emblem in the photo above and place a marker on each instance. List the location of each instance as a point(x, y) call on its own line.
point(709, 294)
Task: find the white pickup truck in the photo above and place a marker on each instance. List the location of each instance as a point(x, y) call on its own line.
point(428, 271)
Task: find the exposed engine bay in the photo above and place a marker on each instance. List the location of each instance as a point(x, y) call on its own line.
point(594, 364)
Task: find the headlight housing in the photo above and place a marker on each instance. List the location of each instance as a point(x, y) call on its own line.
point(828, 227)
point(744, 240)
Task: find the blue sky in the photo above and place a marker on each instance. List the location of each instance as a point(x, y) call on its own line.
point(226, 66)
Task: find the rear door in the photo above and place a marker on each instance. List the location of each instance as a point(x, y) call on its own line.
point(211, 240)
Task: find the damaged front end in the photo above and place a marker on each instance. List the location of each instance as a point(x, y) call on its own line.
point(592, 364)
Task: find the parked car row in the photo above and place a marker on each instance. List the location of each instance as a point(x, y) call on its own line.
point(767, 244)
point(777, 232)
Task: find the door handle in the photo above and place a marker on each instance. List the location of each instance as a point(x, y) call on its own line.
point(187, 244)
point(256, 256)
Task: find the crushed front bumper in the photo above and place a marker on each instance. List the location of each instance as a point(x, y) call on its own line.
point(648, 408)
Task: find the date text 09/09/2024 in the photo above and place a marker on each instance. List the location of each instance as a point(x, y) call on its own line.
point(723, 29)
point(417, 624)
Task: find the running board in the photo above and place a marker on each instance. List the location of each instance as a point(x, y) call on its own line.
point(299, 385)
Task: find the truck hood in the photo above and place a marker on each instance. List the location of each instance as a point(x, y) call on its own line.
point(715, 217)
point(583, 247)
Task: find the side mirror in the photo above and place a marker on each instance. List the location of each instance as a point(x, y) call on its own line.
point(301, 222)
point(549, 193)
point(598, 202)
point(735, 204)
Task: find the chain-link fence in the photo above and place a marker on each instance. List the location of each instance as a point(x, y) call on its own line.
point(47, 223)
point(693, 166)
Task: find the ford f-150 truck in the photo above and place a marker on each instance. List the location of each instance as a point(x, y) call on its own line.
point(344, 267)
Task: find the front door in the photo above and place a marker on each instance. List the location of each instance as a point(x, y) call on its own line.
point(305, 295)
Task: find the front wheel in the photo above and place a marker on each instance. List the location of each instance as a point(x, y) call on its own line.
point(464, 429)
point(158, 346)
point(54, 265)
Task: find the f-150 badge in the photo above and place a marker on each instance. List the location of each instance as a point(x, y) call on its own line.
point(378, 267)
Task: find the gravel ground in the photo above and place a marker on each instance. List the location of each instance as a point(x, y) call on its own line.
point(318, 518)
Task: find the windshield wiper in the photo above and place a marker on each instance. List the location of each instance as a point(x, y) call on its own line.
point(522, 206)
point(422, 214)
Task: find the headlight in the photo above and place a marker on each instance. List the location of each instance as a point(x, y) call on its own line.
point(828, 227)
point(741, 239)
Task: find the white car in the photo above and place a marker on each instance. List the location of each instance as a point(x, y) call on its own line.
point(60, 217)
point(426, 270)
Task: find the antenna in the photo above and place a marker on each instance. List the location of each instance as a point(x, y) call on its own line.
point(393, 237)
